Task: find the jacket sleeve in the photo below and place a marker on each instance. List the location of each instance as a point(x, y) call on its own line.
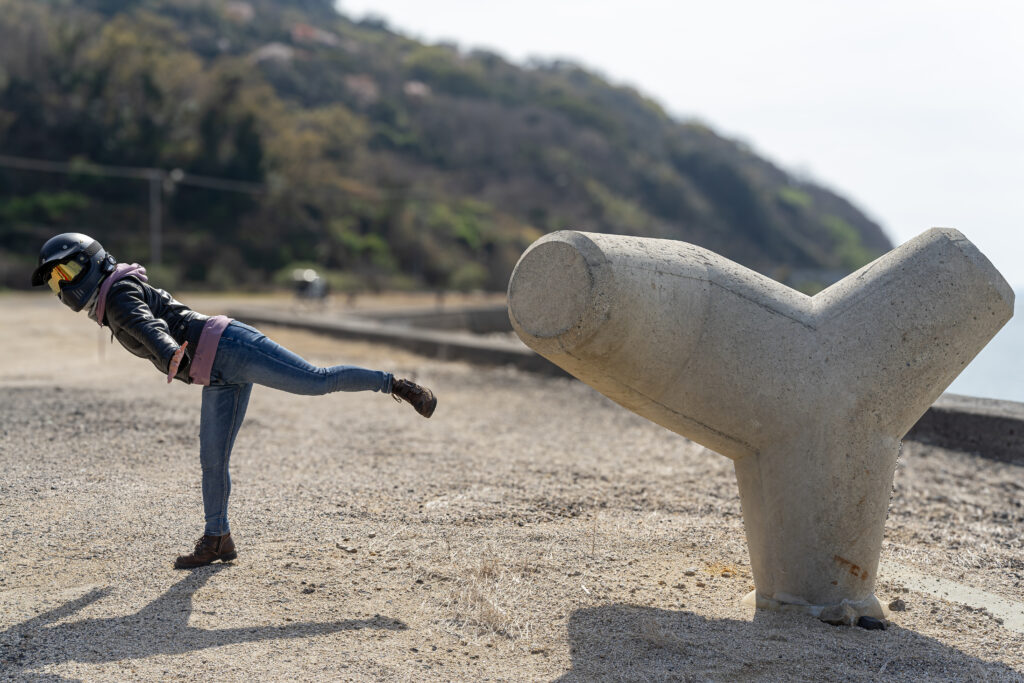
point(127, 309)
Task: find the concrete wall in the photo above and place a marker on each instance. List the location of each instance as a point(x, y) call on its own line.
point(986, 427)
point(474, 319)
point(990, 428)
point(431, 343)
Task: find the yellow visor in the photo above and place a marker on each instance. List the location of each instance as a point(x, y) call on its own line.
point(63, 272)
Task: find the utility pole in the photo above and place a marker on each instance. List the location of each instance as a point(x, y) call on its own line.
point(159, 182)
point(156, 189)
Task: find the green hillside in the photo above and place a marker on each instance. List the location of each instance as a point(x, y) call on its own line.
point(385, 161)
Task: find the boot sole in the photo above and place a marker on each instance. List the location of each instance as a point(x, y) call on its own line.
point(222, 558)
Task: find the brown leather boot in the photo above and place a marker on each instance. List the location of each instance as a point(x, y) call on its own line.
point(208, 549)
point(421, 398)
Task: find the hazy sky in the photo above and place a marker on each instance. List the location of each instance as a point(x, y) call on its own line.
point(912, 109)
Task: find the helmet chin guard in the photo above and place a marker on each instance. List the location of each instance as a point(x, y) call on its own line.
point(87, 252)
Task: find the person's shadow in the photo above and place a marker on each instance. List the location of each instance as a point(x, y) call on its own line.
point(161, 627)
point(628, 642)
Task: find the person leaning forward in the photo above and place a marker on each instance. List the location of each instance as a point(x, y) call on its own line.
point(224, 356)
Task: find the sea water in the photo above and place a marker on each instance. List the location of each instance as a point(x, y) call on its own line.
point(998, 371)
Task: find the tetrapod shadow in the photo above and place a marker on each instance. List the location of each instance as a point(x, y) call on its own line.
point(629, 642)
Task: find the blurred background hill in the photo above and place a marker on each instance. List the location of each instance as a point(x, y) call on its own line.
point(383, 161)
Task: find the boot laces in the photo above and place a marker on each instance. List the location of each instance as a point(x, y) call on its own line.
point(403, 388)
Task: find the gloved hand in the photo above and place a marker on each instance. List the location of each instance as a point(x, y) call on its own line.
point(172, 370)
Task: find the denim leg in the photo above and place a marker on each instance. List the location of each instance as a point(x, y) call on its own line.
point(223, 410)
point(247, 355)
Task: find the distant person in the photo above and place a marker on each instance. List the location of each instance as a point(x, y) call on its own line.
point(225, 356)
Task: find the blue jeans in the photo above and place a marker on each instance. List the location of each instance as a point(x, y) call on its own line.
point(246, 357)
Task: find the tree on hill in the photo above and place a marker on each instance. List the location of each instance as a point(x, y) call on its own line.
point(385, 162)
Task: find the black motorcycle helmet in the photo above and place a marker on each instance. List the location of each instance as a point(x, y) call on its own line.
point(73, 265)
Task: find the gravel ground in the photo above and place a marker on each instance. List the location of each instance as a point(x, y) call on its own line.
point(531, 530)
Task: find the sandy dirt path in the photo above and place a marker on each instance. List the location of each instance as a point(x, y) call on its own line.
point(531, 530)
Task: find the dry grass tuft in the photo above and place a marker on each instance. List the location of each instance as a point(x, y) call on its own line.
point(490, 595)
point(652, 633)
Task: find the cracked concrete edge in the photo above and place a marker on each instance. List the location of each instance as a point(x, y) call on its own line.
point(988, 428)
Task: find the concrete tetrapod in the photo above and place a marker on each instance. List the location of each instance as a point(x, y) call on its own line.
point(809, 396)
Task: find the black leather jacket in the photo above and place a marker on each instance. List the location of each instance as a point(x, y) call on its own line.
point(151, 324)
